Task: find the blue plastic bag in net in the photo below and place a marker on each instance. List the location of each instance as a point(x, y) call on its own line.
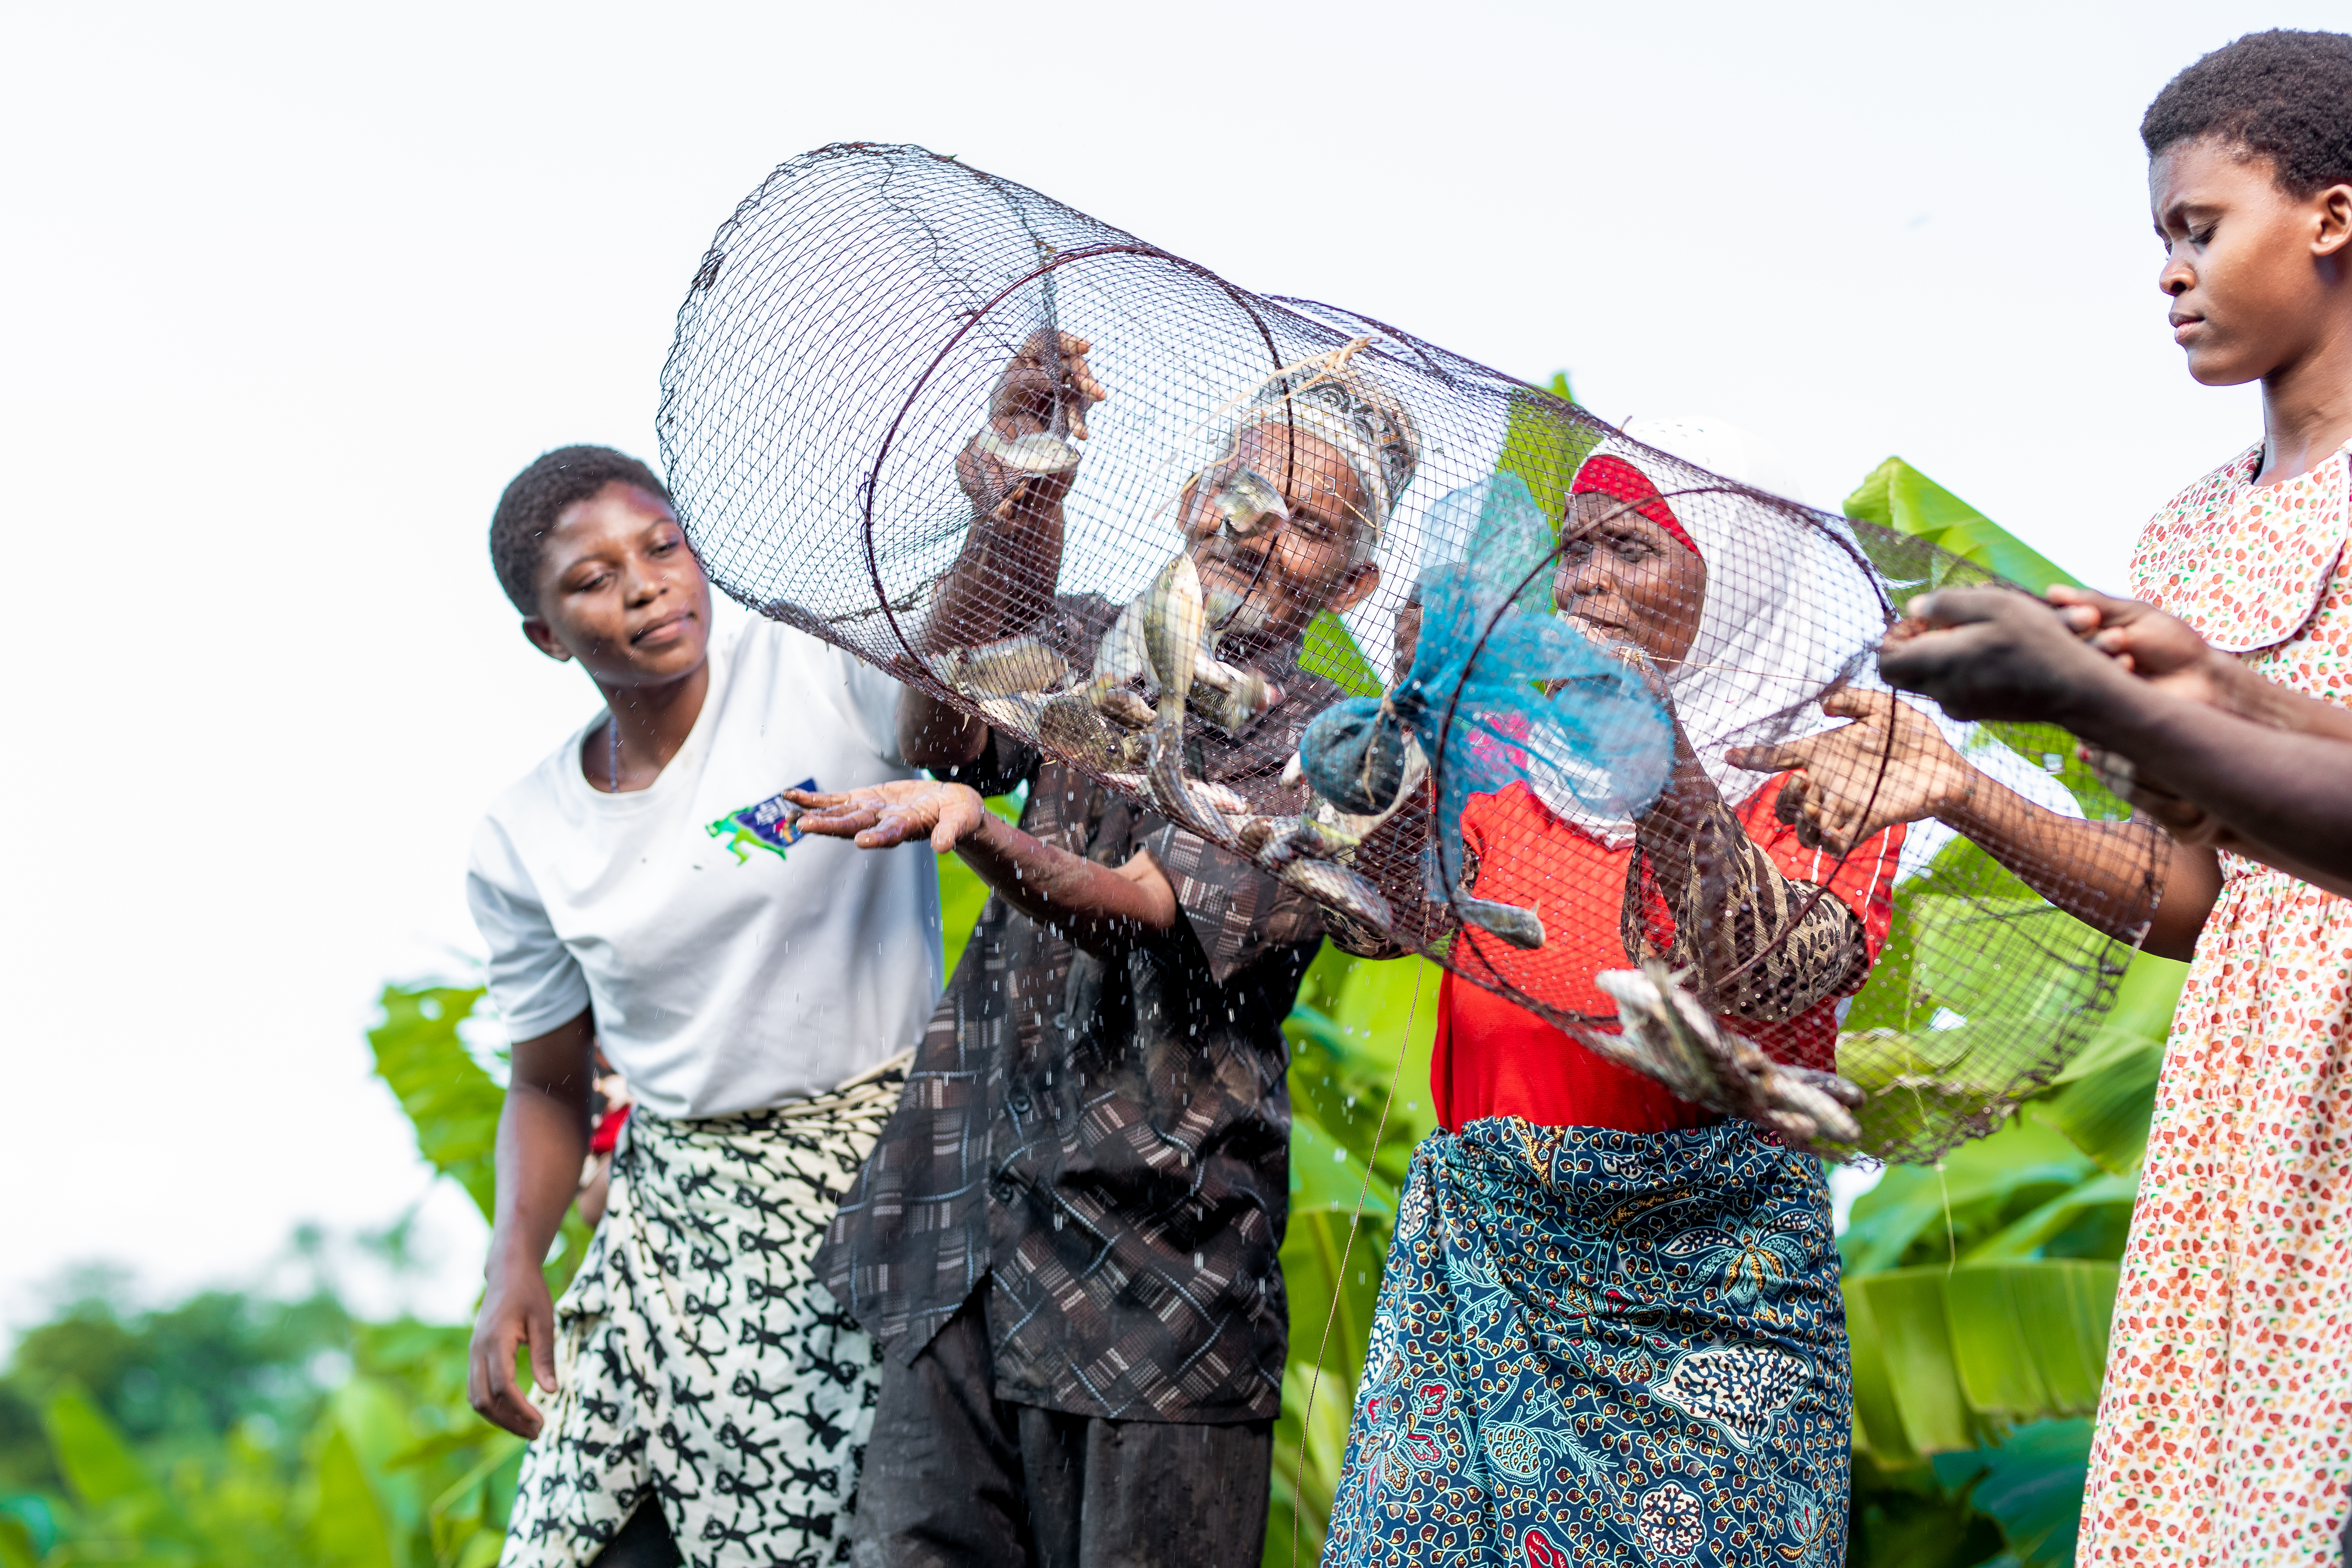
point(1500, 693)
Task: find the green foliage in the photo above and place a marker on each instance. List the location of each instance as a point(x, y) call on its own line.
point(1543, 447)
point(453, 1103)
point(450, 1100)
point(2031, 1484)
point(1330, 651)
point(385, 1468)
point(230, 1431)
point(1900, 497)
point(1359, 1043)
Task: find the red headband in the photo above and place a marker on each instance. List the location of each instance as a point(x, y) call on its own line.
point(1620, 481)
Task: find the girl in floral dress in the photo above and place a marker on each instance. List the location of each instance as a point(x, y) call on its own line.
point(2225, 1425)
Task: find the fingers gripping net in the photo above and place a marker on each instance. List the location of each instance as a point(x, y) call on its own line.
point(1483, 677)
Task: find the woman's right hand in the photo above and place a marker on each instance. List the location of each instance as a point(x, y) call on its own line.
point(1890, 765)
point(516, 1310)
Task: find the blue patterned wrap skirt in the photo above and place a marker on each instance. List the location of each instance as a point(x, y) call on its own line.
point(1598, 1347)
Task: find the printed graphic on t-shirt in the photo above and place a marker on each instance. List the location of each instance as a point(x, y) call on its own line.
point(774, 825)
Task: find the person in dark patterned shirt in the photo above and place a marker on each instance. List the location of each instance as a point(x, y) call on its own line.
point(1067, 1236)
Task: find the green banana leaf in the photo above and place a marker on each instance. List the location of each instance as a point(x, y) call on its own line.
point(1948, 1358)
point(348, 1528)
point(2031, 1483)
point(2104, 1099)
point(1361, 1036)
point(1330, 651)
point(452, 1103)
point(1543, 448)
point(1899, 497)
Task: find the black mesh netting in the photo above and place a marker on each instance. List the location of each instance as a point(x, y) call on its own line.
point(1487, 678)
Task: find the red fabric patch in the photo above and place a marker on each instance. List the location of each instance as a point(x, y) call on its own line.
point(1620, 481)
point(1493, 1058)
point(607, 1135)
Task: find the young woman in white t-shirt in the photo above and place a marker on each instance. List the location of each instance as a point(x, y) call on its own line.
point(645, 889)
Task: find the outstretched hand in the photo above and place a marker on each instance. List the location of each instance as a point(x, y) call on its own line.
point(884, 815)
point(1892, 764)
point(1993, 653)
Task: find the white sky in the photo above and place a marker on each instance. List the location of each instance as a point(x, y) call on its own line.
point(289, 293)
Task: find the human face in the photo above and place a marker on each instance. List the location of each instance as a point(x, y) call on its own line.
point(1629, 579)
point(619, 592)
point(1262, 582)
point(2249, 265)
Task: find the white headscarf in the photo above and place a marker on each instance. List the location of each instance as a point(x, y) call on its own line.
point(1791, 605)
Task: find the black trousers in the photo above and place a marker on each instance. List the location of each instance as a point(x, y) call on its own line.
point(957, 1478)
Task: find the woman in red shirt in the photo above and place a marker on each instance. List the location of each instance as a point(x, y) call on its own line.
point(1609, 1330)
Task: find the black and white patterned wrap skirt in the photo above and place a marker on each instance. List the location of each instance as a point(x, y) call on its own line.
point(1595, 1347)
point(701, 1367)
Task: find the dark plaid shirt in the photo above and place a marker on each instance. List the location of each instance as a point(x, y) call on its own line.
point(1107, 1144)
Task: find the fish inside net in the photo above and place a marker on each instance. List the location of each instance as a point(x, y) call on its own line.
point(1487, 678)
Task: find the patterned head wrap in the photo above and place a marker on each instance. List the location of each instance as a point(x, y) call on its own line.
point(1345, 405)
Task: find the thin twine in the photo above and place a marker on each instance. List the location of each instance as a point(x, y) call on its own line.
point(1347, 1249)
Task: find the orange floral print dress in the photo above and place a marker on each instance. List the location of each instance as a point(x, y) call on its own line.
point(2225, 1426)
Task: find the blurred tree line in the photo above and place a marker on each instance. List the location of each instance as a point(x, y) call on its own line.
point(235, 1428)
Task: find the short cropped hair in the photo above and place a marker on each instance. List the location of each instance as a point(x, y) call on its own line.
point(2282, 95)
point(535, 498)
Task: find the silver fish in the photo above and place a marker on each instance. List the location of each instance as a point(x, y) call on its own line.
point(1039, 452)
point(1522, 928)
point(1336, 886)
point(1247, 500)
point(1122, 705)
point(1173, 619)
point(1001, 668)
point(1667, 1035)
point(1229, 697)
point(1069, 725)
point(1018, 713)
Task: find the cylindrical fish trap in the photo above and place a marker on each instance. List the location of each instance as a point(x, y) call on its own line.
point(1425, 644)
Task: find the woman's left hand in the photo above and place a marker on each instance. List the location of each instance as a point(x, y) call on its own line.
point(887, 815)
point(1890, 765)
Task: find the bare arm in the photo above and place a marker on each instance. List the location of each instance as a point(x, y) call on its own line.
point(2166, 653)
point(2284, 795)
point(1855, 781)
point(2095, 871)
point(1104, 910)
point(542, 1141)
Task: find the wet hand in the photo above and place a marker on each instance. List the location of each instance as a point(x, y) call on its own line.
point(885, 816)
point(1890, 765)
point(1046, 371)
point(1992, 653)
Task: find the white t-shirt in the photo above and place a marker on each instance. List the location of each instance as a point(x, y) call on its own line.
point(730, 966)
